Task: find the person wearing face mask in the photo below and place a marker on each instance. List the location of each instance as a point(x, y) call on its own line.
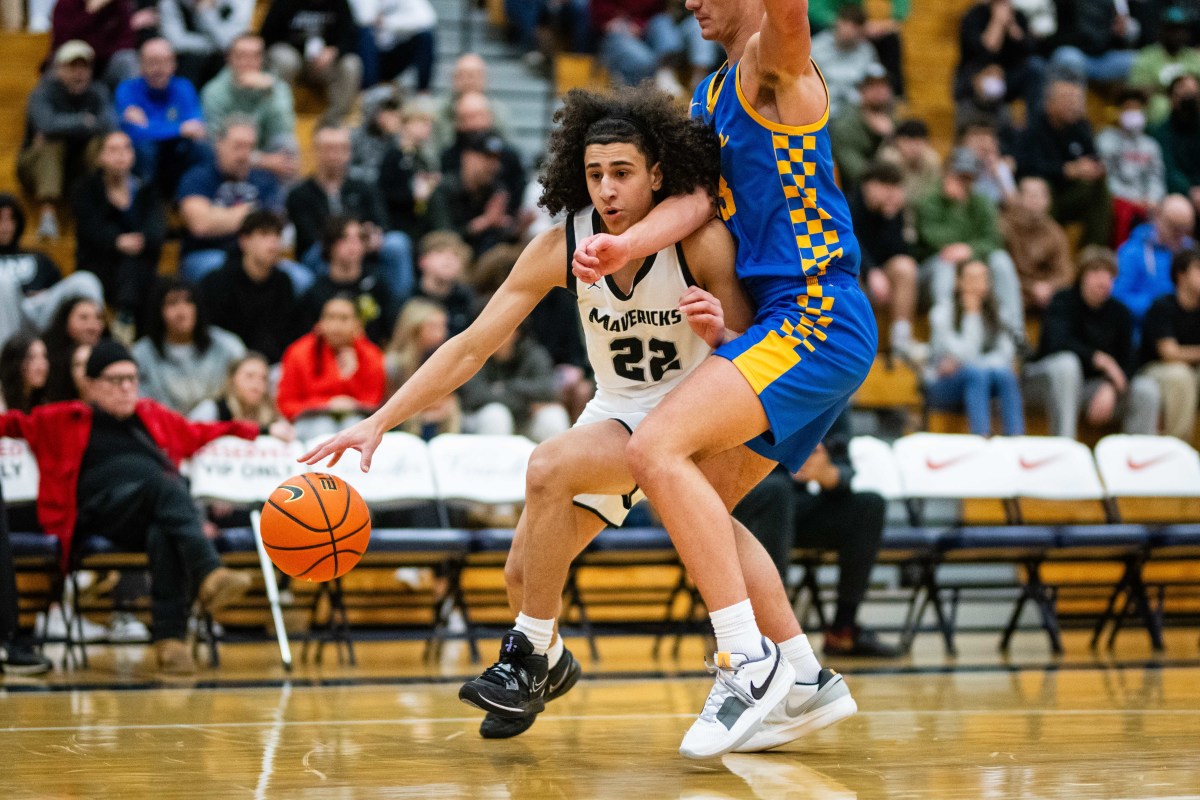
point(1134, 164)
point(985, 102)
point(993, 32)
point(1179, 135)
point(857, 132)
point(1171, 56)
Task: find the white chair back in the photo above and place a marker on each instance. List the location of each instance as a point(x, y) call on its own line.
point(1148, 466)
point(480, 469)
point(401, 472)
point(1050, 467)
point(875, 468)
point(241, 472)
point(952, 466)
point(18, 472)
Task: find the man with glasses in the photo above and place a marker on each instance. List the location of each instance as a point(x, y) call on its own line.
point(109, 467)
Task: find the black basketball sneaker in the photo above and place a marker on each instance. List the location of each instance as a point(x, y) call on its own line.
point(515, 685)
point(562, 677)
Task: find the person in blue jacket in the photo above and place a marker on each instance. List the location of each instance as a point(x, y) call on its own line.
point(1144, 261)
point(161, 113)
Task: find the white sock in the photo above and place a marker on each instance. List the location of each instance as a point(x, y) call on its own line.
point(901, 334)
point(538, 631)
point(736, 630)
point(555, 653)
point(799, 652)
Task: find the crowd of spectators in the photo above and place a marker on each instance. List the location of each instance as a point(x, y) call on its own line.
point(302, 301)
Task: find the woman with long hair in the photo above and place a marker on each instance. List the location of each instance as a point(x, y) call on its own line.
point(182, 360)
point(246, 396)
point(24, 369)
point(421, 328)
point(78, 322)
point(973, 355)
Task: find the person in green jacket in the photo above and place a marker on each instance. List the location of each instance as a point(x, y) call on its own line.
point(954, 224)
point(245, 89)
point(1158, 64)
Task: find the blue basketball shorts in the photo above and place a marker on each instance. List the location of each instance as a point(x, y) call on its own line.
point(811, 346)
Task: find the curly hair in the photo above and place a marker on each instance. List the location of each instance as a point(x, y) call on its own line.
point(687, 150)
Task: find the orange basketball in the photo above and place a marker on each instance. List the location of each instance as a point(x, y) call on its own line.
point(315, 527)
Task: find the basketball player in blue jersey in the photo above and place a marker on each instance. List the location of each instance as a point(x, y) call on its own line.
point(647, 327)
point(779, 386)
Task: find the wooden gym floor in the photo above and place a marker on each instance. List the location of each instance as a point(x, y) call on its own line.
point(1117, 725)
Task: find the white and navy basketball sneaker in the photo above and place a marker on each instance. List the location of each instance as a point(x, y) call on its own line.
point(515, 685)
point(744, 692)
point(562, 676)
point(808, 707)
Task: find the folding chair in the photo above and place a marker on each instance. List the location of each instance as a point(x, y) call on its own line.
point(483, 471)
point(875, 471)
point(1154, 480)
point(36, 555)
point(1057, 484)
point(960, 467)
point(243, 474)
point(401, 477)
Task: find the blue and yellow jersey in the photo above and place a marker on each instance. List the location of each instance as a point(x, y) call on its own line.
point(777, 195)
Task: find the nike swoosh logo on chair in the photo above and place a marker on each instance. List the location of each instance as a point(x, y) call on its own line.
point(1138, 466)
point(939, 465)
point(1032, 464)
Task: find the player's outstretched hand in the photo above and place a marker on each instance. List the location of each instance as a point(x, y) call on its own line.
point(704, 314)
point(363, 437)
point(598, 255)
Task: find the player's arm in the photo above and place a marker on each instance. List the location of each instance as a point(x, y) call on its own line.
point(784, 40)
point(718, 309)
point(537, 271)
point(670, 221)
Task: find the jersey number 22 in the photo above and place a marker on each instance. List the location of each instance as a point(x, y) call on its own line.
point(629, 352)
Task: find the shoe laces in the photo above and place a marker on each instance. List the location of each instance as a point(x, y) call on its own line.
point(725, 685)
point(501, 673)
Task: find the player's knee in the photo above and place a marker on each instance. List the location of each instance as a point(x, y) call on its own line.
point(540, 474)
point(642, 454)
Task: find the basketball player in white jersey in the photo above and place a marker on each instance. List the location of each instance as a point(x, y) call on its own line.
point(647, 327)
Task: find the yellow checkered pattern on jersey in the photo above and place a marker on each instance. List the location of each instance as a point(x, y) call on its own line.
point(816, 237)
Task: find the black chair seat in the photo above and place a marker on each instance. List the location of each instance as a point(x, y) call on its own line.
point(492, 540)
point(420, 540)
point(619, 539)
point(235, 540)
point(912, 538)
point(34, 546)
point(97, 552)
point(1177, 536)
point(1102, 536)
point(1023, 538)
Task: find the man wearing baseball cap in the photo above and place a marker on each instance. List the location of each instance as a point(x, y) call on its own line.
point(65, 111)
point(110, 468)
point(474, 203)
point(857, 132)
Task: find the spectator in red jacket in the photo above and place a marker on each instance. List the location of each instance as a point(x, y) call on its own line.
point(110, 468)
point(332, 377)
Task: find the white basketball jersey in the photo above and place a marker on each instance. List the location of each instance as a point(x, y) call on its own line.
point(639, 344)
